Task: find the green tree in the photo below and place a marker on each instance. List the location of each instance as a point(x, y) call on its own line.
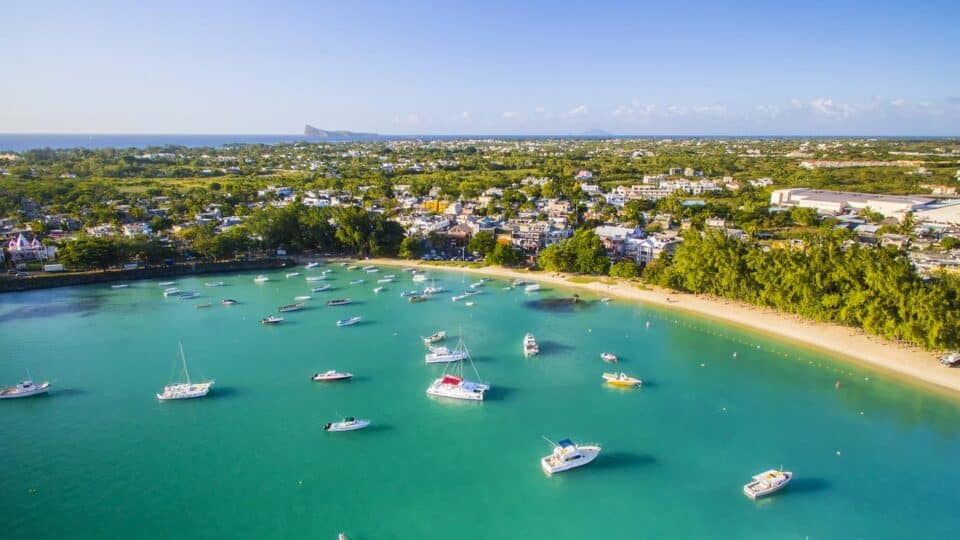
point(504, 255)
point(411, 247)
point(483, 242)
point(625, 268)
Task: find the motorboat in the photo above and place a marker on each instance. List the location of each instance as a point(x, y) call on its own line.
point(322, 288)
point(344, 264)
point(347, 424)
point(172, 291)
point(373, 270)
point(352, 267)
point(187, 295)
point(120, 286)
point(419, 277)
point(331, 375)
point(316, 278)
point(378, 289)
point(477, 284)
point(369, 267)
point(518, 283)
point(530, 347)
point(214, 284)
point(471, 293)
point(311, 265)
point(621, 380)
point(356, 282)
point(204, 305)
point(348, 322)
point(23, 389)
point(390, 276)
point(339, 302)
point(416, 298)
point(228, 301)
point(302, 298)
point(187, 390)
point(433, 290)
point(533, 287)
point(605, 300)
point(435, 337)
point(261, 279)
point(443, 355)
point(271, 319)
point(469, 304)
point(609, 358)
point(326, 272)
point(405, 294)
point(166, 283)
point(951, 360)
point(568, 455)
point(458, 297)
point(292, 274)
point(290, 307)
point(766, 483)
point(386, 280)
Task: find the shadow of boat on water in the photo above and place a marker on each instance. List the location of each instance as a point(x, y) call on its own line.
point(555, 347)
point(805, 485)
point(621, 460)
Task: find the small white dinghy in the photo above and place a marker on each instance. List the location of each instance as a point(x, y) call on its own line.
point(347, 424)
point(348, 322)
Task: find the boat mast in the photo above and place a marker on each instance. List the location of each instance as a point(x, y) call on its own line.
point(184, 358)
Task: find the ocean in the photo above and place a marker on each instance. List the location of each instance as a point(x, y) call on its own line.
point(101, 457)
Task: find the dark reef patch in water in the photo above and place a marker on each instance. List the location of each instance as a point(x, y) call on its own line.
point(82, 306)
point(559, 305)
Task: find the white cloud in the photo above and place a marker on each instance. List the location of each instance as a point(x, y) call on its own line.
point(413, 118)
point(579, 110)
point(509, 115)
point(623, 112)
point(465, 116)
point(539, 110)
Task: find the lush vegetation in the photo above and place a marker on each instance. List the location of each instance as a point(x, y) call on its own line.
point(583, 253)
point(828, 279)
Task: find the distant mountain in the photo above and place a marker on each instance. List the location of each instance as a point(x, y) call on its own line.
point(313, 133)
point(597, 133)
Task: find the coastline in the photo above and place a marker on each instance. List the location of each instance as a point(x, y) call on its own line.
point(846, 343)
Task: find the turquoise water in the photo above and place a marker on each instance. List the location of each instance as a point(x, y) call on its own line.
point(100, 457)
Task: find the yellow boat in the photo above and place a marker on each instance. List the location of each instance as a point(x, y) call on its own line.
point(621, 380)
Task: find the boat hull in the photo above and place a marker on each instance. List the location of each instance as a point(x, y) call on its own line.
point(35, 391)
point(340, 426)
point(589, 454)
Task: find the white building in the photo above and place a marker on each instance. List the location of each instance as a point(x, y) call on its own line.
point(837, 202)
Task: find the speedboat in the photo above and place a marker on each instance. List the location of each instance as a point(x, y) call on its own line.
point(292, 274)
point(24, 389)
point(322, 288)
point(271, 319)
point(405, 294)
point(204, 305)
point(228, 301)
point(469, 304)
point(166, 283)
point(621, 380)
point(311, 265)
point(347, 424)
point(373, 270)
point(291, 307)
point(316, 278)
point(187, 295)
point(187, 390)
point(567, 455)
point(172, 291)
point(214, 284)
point(369, 267)
point(302, 298)
point(435, 337)
point(766, 483)
point(458, 297)
point(390, 276)
point(331, 375)
point(378, 289)
point(348, 322)
point(471, 293)
point(326, 272)
point(339, 302)
point(477, 284)
point(416, 298)
point(610, 358)
point(605, 300)
point(951, 359)
point(344, 263)
point(419, 277)
point(530, 347)
point(261, 279)
point(352, 267)
point(121, 286)
point(356, 281)
point(385, 280)
point(533, 287)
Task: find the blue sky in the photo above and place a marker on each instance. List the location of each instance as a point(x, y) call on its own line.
point(557, 67)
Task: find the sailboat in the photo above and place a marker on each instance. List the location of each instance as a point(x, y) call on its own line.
point(187, 390)
point(456, 386)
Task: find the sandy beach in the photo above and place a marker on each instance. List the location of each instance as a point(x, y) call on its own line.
point(841, 341)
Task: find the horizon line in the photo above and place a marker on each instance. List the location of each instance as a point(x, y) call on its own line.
point(489, 135)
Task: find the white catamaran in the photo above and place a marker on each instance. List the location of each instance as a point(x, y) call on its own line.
point(456, 386)
point(187, 390)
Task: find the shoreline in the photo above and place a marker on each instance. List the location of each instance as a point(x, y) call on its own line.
point(909, 363)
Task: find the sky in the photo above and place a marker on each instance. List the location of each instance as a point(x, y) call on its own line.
point(402, 67)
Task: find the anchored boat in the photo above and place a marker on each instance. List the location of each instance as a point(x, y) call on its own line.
point(331, 375)
point(187, 390)
point(24, 389)
point(530, 347)
point(347, 424)
point(766, 483)
point(568, 455)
